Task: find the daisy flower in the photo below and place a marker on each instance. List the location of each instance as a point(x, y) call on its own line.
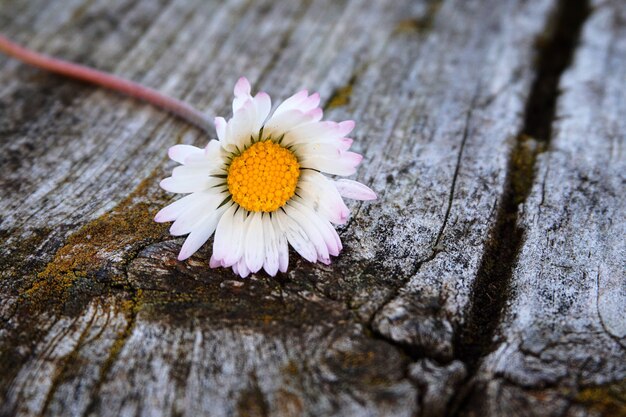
point(261, 186)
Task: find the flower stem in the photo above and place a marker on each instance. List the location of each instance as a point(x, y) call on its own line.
point(103, 79)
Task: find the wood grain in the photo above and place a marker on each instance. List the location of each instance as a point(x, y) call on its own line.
point(98, 317)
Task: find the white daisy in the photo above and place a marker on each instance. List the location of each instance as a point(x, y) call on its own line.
point(260, 185)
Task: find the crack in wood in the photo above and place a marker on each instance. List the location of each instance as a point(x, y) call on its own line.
point(491, 287)
point(410, 351)
point(457, 168)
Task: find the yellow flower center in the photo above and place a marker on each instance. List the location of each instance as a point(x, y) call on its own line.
point(263, 177)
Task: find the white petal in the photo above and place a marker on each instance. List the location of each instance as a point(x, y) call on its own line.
point(254, 242)
point(280, 124)
point(271, 262)
point(179, 153)
point(220, 128)
point(354, 190)
point(319, 132)
point(311, 231)
point(306, 133)
point(237, 238)
point(201, 233)
point(174, 210)
point(296, 236)
point(213, 150)
point(344, 165)
point(223, 233)
point(182, 185)
point(190, 171)
point(240, 127)
point(207, 160)
point(282, 246)
point(241, 268)
point(323, 226)
point(263, 106)
point(211, 158)
point(322, 196)
point(188, 219)
point(317, 150)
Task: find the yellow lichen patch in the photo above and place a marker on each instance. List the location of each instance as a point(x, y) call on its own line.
point(106, 241)
point(421, 23)
point(291, 368)
point(608, 400)
point(263, 177)
point(341, 97)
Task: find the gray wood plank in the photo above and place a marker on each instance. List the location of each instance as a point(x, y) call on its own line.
point(561, 346)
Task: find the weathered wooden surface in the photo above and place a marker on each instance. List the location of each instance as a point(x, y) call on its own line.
point(562, 338)
point(428, 311)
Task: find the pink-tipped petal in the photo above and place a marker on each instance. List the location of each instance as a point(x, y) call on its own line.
point(346, 127)
point(309, 103)
point(354, 190)
point(292, 102)
point(214, 263)
point(315, 114)
point(356, 158)
point(242, 268)
point(345, 143)
point(343, 215)
point(242, 94)
point(242, 87)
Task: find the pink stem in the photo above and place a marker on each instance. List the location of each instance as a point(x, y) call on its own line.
point(103, 79)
